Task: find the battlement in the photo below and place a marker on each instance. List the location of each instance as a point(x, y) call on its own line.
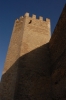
point(33, 21)
point(20, 19)
point(33, 17)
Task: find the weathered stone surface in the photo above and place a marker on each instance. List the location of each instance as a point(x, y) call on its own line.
point(58, 40)
point(27, 67)
point(34, 75)
point(35, 68)
point(57, 47)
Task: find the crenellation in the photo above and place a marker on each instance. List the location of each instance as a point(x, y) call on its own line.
point(41, 18)
point(17, 20)
point(38, 23)
point(21, 19)
point(26, 14)
point(34, 16)
point(33, 23)
point(47, 19)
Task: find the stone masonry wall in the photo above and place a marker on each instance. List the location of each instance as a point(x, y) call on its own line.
point(57, 46)
point(36, 33)
point(33, 81)
point(58, 39)
point(8, 80)
point(29, 35)
point(35, 69)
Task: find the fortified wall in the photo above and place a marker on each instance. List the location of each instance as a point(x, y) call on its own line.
point(35, 66)
point(26, 69)
point(57, 46)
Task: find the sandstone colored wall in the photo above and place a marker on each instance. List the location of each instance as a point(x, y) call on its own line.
point(57, 46)
point(33, 81)
point(36, 33)
point(25, 60)
point(35, 69)
point(9, 75)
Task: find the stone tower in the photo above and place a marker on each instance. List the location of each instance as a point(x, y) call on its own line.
point(28, 38)
point(26, 70)
point(35, 68)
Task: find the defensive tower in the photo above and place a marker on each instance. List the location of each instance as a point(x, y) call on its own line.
point(27, 60)
point(35, 68)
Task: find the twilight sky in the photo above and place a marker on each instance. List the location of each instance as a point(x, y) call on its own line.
point(13, 9)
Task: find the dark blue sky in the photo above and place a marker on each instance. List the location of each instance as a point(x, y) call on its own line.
point(13, 9)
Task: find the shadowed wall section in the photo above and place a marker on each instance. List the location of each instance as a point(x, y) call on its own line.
point(34, 82)
point(33, 76)
point(57, 47)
